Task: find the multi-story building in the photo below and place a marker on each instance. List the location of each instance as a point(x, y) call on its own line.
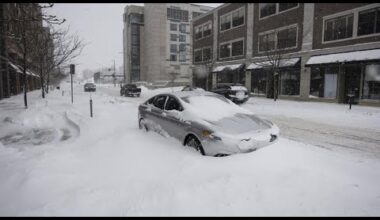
point(313, 51)
point(157, 40)
point(11, 58)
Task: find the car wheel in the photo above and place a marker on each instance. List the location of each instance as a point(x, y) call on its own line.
point(193, 142)
point(142, 125)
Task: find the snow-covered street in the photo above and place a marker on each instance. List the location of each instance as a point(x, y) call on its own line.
point(55, 160)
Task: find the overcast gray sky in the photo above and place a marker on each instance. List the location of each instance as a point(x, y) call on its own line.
point(101, 27)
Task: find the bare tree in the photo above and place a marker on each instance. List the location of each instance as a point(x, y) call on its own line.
point(67, 47)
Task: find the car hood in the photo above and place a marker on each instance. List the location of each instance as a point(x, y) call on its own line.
point(240, 123)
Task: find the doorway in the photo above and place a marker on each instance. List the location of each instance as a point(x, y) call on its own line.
point(352, 82)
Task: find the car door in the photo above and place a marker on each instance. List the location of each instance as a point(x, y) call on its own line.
point(175, 127)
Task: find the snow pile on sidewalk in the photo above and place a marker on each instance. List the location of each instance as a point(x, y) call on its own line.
point(113, 168)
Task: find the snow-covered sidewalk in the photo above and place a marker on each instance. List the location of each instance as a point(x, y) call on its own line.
point(107, 166)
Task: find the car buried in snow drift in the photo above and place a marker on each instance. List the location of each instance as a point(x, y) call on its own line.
point(208, 122)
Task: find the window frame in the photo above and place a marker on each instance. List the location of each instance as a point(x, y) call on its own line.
point(276, 38)
point(231, 24)
point(230, 43)
point(172, 25)
point(277, 11)
point(201, 27)
point(355, 22)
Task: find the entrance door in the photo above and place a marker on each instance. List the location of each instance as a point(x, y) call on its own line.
point(352, 82)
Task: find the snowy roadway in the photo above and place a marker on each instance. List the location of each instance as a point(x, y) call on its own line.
point(57, 161)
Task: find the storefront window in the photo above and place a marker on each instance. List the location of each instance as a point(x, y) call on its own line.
point(289, 82)
point(371, 87)
point(323, 82)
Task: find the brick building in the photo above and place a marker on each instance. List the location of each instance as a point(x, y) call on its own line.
point(327, 51)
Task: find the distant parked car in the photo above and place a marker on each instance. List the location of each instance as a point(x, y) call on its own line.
point(130, 90)
point(207, 122)
point(89, 87)
point(192, 88)
point(233, 91)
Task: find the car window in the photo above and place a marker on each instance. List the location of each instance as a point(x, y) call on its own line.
point(159, 102)
point(173, 104)
point(150, 101)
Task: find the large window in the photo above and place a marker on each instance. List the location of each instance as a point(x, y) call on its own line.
point(232, 19)
point(369, 22)
point(198, 55)
point(177, 14)
point(232, 49)
point(182, 57)
point(267, 42)
point(323, 82)
point(206, 54)
point(287, 38)
point(182, 28)
point(278, 39)
point(225, 22)
point(198, 32)
point(196, 14)
point(207, 29)
point(173, 48)
point(173, 27)
point(338, 28)
point(182, 38)
point(173, 57)
point(173, 37)
point(371, 83)
point(238, 17)
point(182, 47)
point(225, 50)
point(290, 81)
point(237, 48)
point(268, 9)
point(286, 6)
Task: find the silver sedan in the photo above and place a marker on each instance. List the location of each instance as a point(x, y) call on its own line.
point(206, 121)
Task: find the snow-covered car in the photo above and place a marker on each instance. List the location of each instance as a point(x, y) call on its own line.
point(206, 121)
point(235, 92)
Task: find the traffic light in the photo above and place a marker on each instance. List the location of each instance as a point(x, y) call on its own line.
point(72, 68)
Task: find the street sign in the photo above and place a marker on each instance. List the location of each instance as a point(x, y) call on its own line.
point(72, 68)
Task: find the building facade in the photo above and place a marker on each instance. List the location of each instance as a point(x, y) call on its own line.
point(11, 58)
point(157, 41)
point(305, 51)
